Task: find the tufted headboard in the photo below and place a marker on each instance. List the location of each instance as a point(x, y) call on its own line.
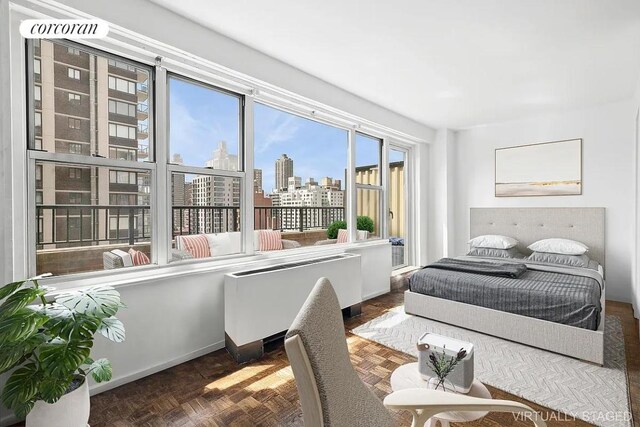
point(528, 225)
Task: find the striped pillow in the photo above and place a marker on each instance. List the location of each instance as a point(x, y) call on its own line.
point(270, 240)
point(343, 236)
point(197, 245)
point(139, 257)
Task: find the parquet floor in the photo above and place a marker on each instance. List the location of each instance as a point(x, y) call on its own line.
point(213, 391)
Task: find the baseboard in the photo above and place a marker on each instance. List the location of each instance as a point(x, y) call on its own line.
point(375, 294)
point(117, 382)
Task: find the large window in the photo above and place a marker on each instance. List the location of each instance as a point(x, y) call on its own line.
point(92, 212)
point(299, 177)
point(206, 170)
point(91, 140)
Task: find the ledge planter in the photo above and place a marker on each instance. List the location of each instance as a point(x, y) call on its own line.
point(46, 343)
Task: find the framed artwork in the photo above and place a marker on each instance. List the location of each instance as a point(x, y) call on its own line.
point(545, 169)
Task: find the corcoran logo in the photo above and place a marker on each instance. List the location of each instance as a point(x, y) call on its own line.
point(63, 29)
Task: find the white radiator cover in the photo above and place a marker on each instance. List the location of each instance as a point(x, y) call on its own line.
point(260, 304)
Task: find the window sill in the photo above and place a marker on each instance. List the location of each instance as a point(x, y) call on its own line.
point(122, 278)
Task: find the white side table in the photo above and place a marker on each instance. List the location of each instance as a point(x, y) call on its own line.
point(407, 376)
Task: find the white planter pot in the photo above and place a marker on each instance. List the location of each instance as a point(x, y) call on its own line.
point(72, 410)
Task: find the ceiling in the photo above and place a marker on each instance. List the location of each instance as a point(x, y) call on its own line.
point(456, 63)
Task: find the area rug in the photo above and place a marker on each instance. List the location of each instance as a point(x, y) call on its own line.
point(597, 395)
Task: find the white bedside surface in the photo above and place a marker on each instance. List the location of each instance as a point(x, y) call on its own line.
point(407, 376)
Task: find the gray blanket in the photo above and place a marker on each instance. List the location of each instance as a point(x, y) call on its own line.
point(488, 268)
point(566, 295)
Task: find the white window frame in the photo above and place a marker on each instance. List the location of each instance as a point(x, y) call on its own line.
point(119, 83)
point(380, 187)
point(73, 73)
point(74, 98)
point(240, 174)
point(141, 49)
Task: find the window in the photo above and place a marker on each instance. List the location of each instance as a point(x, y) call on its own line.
point(37, 93)
point(75, 173)
point(368, 179)
point(36, 67)
point(122, 177)
point(122, 131)
point(75, 198)
point(206, 164)
point(299, 176)
point(122, 108)
point(73, 73)
point(121, 65)
point(76, 204)
point(75, 148)
point(122, 85)
point(74, 123)
point(122, 153)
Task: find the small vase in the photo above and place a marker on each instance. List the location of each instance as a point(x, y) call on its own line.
point(435, 383)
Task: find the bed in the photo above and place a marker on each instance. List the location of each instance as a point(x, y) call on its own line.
point(556, 308)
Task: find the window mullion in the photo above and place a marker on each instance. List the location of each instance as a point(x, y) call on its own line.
point(246, 185)
point(162, 230)
point(350, 187)
point(384, 182)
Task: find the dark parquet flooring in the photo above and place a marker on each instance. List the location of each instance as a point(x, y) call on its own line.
point(213, 391)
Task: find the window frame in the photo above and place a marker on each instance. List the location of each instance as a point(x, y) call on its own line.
point(381, 187)
point(35, 155)
point(241, 173)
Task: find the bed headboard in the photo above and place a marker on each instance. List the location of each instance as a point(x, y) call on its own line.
point(528, 225)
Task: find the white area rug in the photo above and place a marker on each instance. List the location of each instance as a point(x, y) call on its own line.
point(595, 394)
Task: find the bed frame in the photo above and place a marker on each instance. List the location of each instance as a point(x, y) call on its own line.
point(527, 225)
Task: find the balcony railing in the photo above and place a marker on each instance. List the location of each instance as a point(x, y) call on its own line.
point(78, 225)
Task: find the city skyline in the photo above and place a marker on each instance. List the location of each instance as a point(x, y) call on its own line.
point(201, 117)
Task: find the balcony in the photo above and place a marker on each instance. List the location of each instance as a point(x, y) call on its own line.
point(142, 91)
point(142, 111)
point(143, 131)
point(72, 238)
point(143, 151)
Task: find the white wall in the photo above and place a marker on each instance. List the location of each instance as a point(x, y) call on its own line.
point(608, 177)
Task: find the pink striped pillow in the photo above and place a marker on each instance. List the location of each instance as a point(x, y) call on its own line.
point(270, 240)
point(139, 257)
point(197, 245)
point(343, 236)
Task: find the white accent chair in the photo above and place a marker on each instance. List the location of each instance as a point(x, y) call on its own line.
point(332, 394)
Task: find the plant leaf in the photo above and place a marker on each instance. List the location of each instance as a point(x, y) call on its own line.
point(22, 324)
point(112, 329)
point(13, 354)
point(53, 388)
point(18, 300)
point(61, 357)
point(10, 288)
point(95, 301)
point(22, 386)
point(22, 409)
point(101, 370)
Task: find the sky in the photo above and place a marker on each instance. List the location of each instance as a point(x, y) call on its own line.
point(200, 117)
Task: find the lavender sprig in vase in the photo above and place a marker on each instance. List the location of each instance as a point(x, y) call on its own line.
point(442, 366)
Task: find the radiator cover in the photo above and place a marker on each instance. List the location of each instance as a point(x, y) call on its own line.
point(262, 302)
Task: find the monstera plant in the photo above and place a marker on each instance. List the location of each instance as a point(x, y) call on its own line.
point(49, 339)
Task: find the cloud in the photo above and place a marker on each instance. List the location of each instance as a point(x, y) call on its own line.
point(276, 129)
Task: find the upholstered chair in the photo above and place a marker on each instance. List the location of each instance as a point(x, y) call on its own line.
point(332, 394)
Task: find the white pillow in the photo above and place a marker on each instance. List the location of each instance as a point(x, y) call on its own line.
point(493, 241)
point(221, 244)
point(559, 246)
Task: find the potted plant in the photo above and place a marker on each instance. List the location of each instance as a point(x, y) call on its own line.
point(363, 223)
point(48, 341)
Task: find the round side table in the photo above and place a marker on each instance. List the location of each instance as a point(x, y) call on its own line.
point(407, 376)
